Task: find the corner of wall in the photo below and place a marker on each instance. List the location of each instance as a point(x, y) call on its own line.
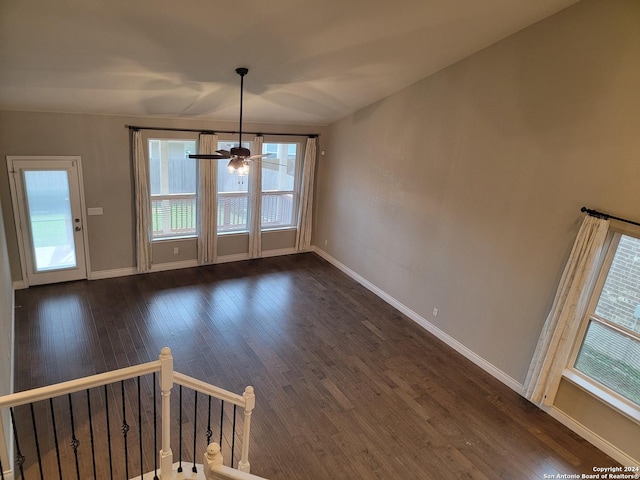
point(428, 326)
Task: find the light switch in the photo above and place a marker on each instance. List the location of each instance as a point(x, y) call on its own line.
point(95, 211)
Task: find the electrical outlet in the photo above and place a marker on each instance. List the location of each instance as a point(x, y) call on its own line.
point(435, 312)
point(176, 250)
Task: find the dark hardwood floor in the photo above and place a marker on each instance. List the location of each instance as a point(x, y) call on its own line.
point(347, 387)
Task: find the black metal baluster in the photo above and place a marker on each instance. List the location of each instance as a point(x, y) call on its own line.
point(1, 470)
point(19, 457)
point(75, 443)
point(209, 433)
point(155, 430)
point(37, 441)
point(55, 438)
point(195, 428)
point(180, 431)
point(93, 448)
point(221, 419)
point(106, 413)
point(233, 433)
point(140, 427)
point(125, 430)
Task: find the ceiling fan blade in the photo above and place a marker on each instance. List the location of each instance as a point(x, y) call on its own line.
point(224, 153)
point(254, 157)
point(207, 156)
point(273, 163)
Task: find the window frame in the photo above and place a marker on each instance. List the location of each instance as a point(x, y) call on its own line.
point(297, 180)
point(300, 145)
point(171, 196)
point(575, 376)
point(234, 194)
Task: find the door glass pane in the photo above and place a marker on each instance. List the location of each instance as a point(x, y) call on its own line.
point(50, 219)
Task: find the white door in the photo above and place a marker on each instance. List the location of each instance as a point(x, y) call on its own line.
point(48, 208)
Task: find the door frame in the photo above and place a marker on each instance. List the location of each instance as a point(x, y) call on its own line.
point(19, 214)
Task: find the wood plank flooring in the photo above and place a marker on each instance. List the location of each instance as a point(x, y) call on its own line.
point(347, 387)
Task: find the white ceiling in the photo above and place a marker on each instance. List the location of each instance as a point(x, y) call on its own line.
point(310, 62)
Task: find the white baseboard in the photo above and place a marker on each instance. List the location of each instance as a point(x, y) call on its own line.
point(113, 273)
point(428, 326)
point(161, 267)
point(591, 437)
point(279, 252)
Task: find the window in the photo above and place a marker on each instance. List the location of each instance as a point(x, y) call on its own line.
point(173, 183)
point(279, 184)
point(279, 189)
point(233, 195)
point(610, 350)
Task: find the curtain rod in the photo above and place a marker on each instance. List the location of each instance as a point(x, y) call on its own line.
point(199, 130)
point(606, 216)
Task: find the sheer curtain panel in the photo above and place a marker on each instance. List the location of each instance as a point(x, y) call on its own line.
point(305, 207)
point(570, 303)
point(255, 195)
point(143, 203)
point(207, 207)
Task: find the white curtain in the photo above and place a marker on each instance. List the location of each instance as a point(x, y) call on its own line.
point(569, 306)
point(143, 203)
point(255, 198)
point(207, 200)
point(305, 208)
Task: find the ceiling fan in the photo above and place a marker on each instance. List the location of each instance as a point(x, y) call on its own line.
point(239, 156)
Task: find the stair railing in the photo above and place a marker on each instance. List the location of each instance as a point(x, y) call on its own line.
point(110, 389)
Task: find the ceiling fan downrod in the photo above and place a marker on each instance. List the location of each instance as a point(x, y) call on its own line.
point(242, 71)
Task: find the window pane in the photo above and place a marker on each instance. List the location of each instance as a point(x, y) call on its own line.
point(232, 213)
point(619, 301)
point(611, 358)
point(173, 183)
point(277, 210)
point(50, 219)
point(171, 171)
point(279, 168)
point(173, 217)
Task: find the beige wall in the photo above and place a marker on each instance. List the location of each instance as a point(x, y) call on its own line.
point(103, 143)
point(462, 192)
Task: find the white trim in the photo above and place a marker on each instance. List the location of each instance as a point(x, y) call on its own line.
point(161, 267)
point(604, 394)
point(278, 252)
point(8, 475)
point(20, 285)
point(428, 326)
point(236, 257)
point(112, 273)
point(591, 437)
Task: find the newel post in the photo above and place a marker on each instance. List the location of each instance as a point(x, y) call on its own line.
point(249, 404)
point(166, 384)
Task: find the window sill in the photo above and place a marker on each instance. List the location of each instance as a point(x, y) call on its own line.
point(279, 229)
point(603, 394)
point(171, 239)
